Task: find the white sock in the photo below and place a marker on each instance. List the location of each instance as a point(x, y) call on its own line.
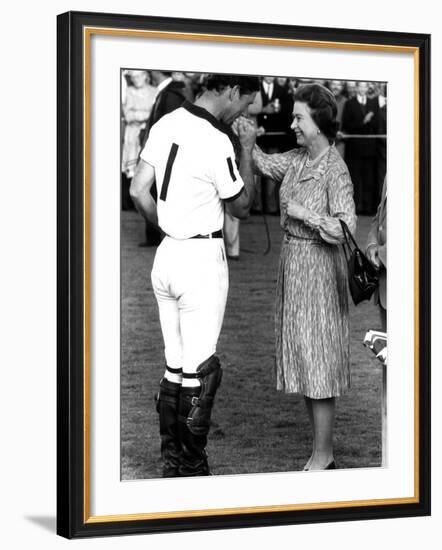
point(190, 383)
point(175, 377)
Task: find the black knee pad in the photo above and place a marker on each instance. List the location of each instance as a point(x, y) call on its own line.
point(209, 374)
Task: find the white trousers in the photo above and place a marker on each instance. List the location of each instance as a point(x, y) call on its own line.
point(190, 280)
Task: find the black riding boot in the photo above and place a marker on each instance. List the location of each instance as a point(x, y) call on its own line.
point(195, 407)
point(167, 407)
point(193, 457)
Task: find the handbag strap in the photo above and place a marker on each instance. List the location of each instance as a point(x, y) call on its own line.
point(347, 234)
point(346, 245)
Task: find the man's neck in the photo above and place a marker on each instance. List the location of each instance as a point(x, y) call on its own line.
point(211, 105)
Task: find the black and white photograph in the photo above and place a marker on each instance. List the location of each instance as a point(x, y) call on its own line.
point(195, 283)
point(223, 275)
point(253, 274)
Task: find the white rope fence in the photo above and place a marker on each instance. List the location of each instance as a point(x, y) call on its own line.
point(341, 135)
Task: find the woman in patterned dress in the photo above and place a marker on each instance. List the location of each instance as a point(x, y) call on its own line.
point(137, 107)
point(312, 319)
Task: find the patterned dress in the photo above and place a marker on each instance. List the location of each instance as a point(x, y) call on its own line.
point(136, 109)
point(312, 325)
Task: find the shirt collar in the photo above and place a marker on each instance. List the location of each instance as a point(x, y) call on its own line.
point(203, 113)
point(361, 100)
point(319, 166)
point(268, 88)
point(164, 83)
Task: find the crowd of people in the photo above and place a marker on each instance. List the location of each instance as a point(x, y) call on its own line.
point(361, 136)
point(201, 158)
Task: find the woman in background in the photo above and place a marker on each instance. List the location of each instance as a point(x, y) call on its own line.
point(139, 99)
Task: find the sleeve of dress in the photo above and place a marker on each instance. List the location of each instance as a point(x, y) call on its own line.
point(272, 166)
point(341, 207)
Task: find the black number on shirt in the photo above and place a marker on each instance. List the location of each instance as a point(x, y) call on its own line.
point(231, 170)
point(168, 171)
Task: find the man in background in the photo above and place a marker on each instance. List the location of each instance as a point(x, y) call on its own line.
point(337, 89)
point(360, 117)
point(376, 251)
point(170, 96)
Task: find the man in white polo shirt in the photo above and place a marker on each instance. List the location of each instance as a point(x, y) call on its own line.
point(192, 160)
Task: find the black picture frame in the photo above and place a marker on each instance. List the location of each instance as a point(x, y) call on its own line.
point(73, 520)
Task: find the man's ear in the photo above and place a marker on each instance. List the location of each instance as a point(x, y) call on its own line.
point(234, 93)
point(224, 92)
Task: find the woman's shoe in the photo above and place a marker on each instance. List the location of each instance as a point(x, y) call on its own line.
point(331, 466)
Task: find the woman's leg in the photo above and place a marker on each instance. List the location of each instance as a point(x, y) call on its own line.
point(309, 406)
point(323, 420)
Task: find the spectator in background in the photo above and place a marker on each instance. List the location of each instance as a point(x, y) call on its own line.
point(170, 96)
point(337, 89)
point(139, 97)
point(124, 85)
point(376, 251)
point(282, 81)
point(275, 118)
point(373, 90)
point(381, 143)
point(361, 117)
point(350, 88)
point(194, 85)
point(191, 82)
point(292, 84)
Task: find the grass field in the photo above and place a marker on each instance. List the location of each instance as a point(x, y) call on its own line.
point(256, 428)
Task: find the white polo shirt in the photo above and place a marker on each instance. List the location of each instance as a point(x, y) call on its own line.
point(195, 171)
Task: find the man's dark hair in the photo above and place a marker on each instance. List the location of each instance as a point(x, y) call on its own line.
point(218, 82)
point(323, 107)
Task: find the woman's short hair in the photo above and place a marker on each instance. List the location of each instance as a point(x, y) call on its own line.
point(323, 107)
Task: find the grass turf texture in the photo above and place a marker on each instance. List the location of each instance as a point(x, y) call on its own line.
point(255, 428)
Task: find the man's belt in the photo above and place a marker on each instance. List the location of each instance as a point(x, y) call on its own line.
point(215, 235)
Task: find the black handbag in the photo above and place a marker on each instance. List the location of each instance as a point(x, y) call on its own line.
point(363, 278)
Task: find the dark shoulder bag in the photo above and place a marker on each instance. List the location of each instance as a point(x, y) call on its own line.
point(362, 276)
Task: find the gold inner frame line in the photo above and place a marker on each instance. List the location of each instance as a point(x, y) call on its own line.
point(87, 33)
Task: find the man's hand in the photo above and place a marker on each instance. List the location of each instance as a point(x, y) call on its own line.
point(269, 109)
point(368, 117)
point(373, 256)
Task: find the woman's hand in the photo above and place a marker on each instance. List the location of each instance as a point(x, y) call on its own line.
point(246, 133)
point(296, 211)
point(373, 256)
